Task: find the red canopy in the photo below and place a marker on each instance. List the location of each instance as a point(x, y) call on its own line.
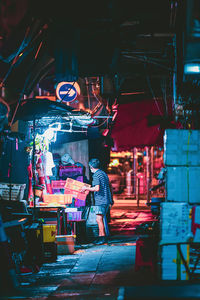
point(131, 128)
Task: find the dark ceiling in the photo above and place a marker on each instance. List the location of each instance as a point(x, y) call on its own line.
point(129, 44)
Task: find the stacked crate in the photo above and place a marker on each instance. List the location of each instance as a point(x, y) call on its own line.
point(182, 162)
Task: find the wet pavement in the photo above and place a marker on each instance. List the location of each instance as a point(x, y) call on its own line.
point(103, 271)
point(91, 272)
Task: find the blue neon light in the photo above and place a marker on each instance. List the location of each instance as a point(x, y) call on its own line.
point(192, 68)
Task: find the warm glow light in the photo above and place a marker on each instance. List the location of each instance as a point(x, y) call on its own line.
point(114, 163)
point(121, 154)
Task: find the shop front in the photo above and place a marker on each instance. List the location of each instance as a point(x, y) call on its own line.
point(135, 173)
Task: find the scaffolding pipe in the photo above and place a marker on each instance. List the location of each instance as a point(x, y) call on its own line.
point(137, 190)
point(152, 164)
point(148, 174)
point(135, 169)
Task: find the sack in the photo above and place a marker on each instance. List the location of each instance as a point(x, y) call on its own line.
point(89, 215)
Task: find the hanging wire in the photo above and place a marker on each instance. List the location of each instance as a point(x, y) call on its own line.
point(147, 60)
point(152, 92)
point(163, 88)
point(21, 48)
point(97, 126)
point(25, 85)
point(15, 57)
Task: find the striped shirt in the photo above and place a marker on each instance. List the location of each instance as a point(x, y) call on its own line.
point(103, 196)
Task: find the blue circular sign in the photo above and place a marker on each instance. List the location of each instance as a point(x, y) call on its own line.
point(66, 91)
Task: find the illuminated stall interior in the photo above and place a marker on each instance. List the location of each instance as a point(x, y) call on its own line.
point(142, 173)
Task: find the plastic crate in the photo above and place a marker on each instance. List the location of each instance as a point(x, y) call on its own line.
point(74, 187)
point(79, 203)
point(50, 252)
point(17, 191)
point(58, 199)
point(70, 171)
point(58, 184)
point(74, 216)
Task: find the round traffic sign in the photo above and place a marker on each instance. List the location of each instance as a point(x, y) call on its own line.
point(67, 91)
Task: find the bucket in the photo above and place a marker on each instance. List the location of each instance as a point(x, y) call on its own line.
point(38, 190)
point(155, 204)
point(65, 244)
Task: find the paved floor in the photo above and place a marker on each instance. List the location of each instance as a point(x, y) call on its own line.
point(92, 272)
point(103, 272)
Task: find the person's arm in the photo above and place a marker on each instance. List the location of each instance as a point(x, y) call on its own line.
point(90, 189)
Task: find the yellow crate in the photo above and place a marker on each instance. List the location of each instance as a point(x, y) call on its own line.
point(49, 233)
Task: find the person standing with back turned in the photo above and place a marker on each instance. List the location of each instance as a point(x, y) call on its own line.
point(102, 196)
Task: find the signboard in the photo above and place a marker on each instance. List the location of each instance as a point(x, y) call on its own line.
point(175, 223)
point(67, 91)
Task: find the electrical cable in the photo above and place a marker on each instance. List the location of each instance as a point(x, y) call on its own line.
point(97, 126)
point(62, 101)
point(148, 61)
point(22, 46)
point(25, 85)
point(152, 92)
point(15, 57)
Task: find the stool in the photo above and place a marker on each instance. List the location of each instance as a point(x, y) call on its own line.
point(141, 244)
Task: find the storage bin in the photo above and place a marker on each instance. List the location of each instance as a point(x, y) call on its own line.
point(49, 233)
point(58, 184)
point(70, 171)
point(65, 244)
point(74, 216)
point(74, 187)
point(79, 203)
point(57, 198)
